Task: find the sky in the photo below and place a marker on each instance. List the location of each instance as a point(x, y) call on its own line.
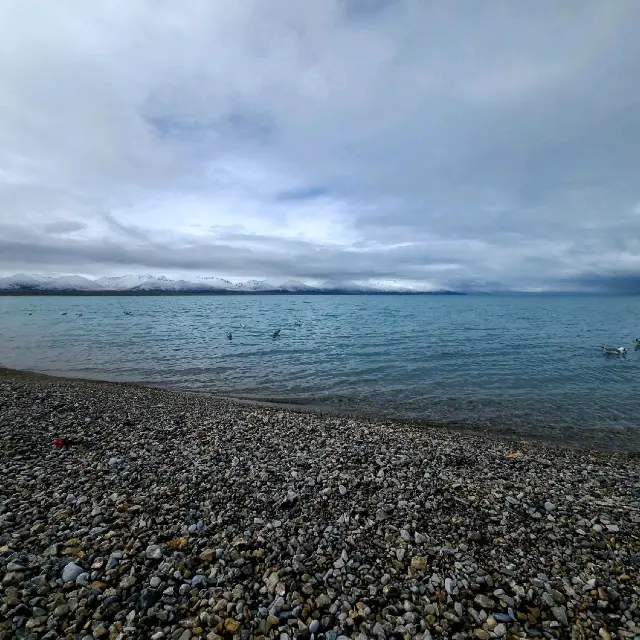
point(463, 144)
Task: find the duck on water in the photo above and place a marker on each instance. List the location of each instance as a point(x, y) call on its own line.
point(613, 351)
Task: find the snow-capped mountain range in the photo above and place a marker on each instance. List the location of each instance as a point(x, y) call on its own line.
point(22, 283)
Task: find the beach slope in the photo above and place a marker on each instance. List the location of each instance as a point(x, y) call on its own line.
point(130, 512)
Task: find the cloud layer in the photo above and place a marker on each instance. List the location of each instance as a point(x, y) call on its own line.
point(463, 144)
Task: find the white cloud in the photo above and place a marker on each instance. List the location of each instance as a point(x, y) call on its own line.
point(372, 139)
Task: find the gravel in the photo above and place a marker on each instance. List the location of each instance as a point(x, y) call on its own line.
point(167, 515)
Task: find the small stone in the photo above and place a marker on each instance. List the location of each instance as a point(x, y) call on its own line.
point(96, 584)
point(405, 535)
point(560, 614)
point(71, 571)
point(500, 630)
point(557, 596)
point(314, 627)
point(503, 617)
point(418, 563)
point(199, 581)
point(323, 601)
point(61, 611)
point(343, 490)
point(484, 601)
point(184, 589)
point(127, 582)
point(155, 582)
point(231, 625)
point(207, 555)
point(154, 552)
point(448, 585)
point(481, 634)
point(13, 577)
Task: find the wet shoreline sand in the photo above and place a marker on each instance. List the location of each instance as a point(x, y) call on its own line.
point(176, 515)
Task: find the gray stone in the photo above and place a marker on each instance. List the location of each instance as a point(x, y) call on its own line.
point(557, 596)
point(199, 581)
point(503, 617)
point(323, 601)
point(448, 585)
point(71, 571)
point(484, 601)
point(560, 614)
point(154, 552)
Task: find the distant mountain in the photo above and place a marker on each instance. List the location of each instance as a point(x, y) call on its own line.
point(296, 286)
point(201, 284)
point(122, 283)
point(23, 282)
point(149, 284)
point(255, 285)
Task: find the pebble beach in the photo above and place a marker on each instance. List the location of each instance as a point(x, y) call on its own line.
point(133, 512)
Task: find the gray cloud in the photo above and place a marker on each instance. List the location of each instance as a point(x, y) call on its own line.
point(269, 256)
point(468, 145)
point(64, 226)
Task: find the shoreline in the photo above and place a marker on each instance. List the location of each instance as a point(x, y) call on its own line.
point(616, 440)
point(184, 516)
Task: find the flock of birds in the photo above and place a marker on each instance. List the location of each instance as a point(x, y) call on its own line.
point(606, 349)
point(274, 335)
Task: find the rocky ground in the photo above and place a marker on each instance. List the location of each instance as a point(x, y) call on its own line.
point(169, 515)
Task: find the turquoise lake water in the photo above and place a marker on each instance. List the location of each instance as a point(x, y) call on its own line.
point(526, 364)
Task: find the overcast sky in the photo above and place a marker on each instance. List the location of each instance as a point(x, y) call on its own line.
point(460, 143)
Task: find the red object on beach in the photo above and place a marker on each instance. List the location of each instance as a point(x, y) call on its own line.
point(59, 442)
